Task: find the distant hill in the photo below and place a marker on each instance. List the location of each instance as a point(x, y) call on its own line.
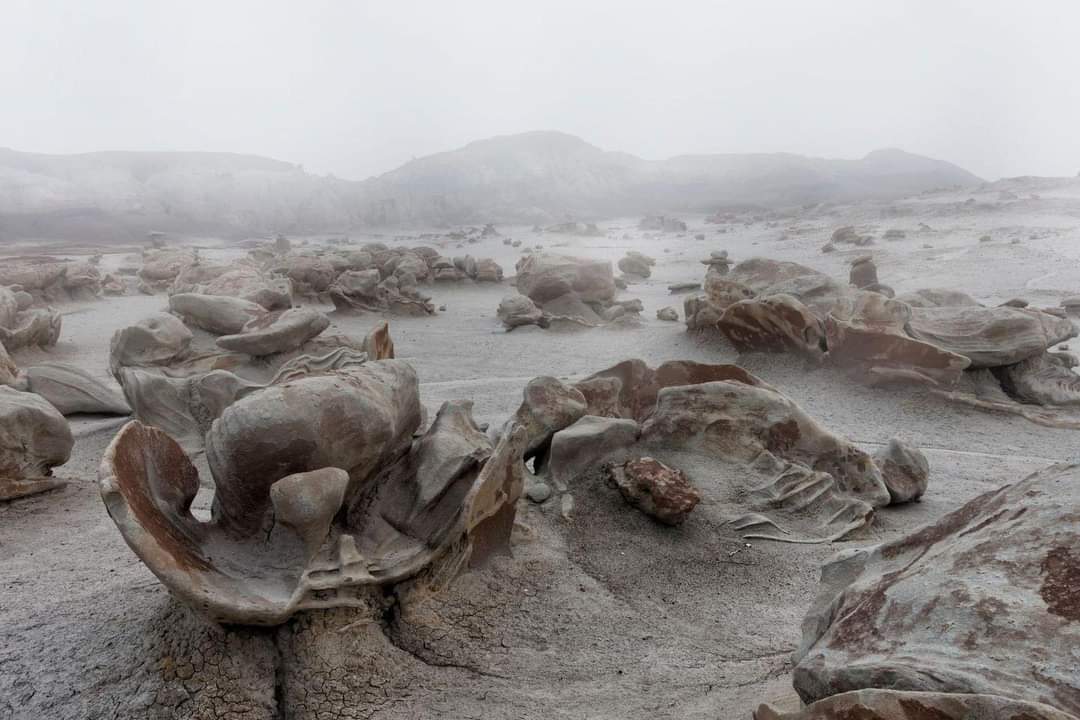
point(530, 177)
point(551, 175)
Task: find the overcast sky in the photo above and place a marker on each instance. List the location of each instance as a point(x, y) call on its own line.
point(357, 88)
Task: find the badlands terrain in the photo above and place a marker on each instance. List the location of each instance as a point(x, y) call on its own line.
point(598, 610)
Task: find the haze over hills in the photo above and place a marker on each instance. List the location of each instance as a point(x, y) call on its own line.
point(531, 177)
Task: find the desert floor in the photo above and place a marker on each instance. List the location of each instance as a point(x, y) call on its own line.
point(604, 614)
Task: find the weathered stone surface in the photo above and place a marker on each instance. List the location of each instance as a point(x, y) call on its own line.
point(72, 390)
point(155, 340)
point(938, 297)
point(9, 371)
point(34, 438)
point(309, 275)
point(655, 489)
point(348, 504)
point(776, 323)
point(982, 601)
point(590, 441)
point(900, 705)
point(1045, 379)
point(218, 314)
point(866, 336)
point(989, 336)
point(863, 272)
point(544, 277)
point(743, 421)
point(36, 327)
point(251, 285)
point(668, 314)
point(635, 263)
point(517, 310)
point(548, 407)
point(276, 332)
point(904, 469)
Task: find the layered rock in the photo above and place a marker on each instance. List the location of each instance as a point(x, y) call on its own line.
point(349, 506)
point(992, 591)
point(34, 438)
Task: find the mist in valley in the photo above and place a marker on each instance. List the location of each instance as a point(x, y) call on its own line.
point(539, 360)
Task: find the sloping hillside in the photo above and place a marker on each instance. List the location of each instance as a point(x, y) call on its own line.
point(531, 177)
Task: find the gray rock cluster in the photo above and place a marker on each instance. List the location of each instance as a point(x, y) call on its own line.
point(936, 337)
point(558, 290)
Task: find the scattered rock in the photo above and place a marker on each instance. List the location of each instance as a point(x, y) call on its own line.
point(657, 490)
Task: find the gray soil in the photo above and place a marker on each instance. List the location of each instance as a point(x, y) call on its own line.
point(605, 614)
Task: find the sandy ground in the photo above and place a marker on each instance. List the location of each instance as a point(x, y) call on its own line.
point(605, 615)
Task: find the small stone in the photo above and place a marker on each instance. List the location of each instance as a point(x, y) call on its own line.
point(567, 507)
point(538, 492)
point(669, 314)
point(442, 308)
point(904, 469)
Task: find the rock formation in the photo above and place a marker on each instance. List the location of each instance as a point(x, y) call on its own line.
point(981, 601)
point(789, 479)
point(34, 438)
point(350, 506)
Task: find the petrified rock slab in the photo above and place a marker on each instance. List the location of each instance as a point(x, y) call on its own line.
point(982, 601)
point(898, 705)
point(218, 314)
point(72, 390)
point(34, 438)
point(989, 336)
point(276, 332)
point(655, 489)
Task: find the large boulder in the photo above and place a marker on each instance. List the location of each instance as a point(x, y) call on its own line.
point(346, 510)
point(982, 601)
point(989, 336)
point(544, 277)
point(775, 323)
point(156, 340)
point(745, 421)
point(34, 438)
point(517, 310)
point(251, 285)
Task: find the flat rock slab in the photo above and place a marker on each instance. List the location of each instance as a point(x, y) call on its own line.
point(277, 332)
point(985, 600)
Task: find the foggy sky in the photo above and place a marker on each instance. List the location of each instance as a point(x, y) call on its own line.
point(357, 88)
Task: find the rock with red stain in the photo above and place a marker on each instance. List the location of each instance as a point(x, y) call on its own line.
point(777, 323)
point(655, 489)
point(896, 705)
point(985, 600)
